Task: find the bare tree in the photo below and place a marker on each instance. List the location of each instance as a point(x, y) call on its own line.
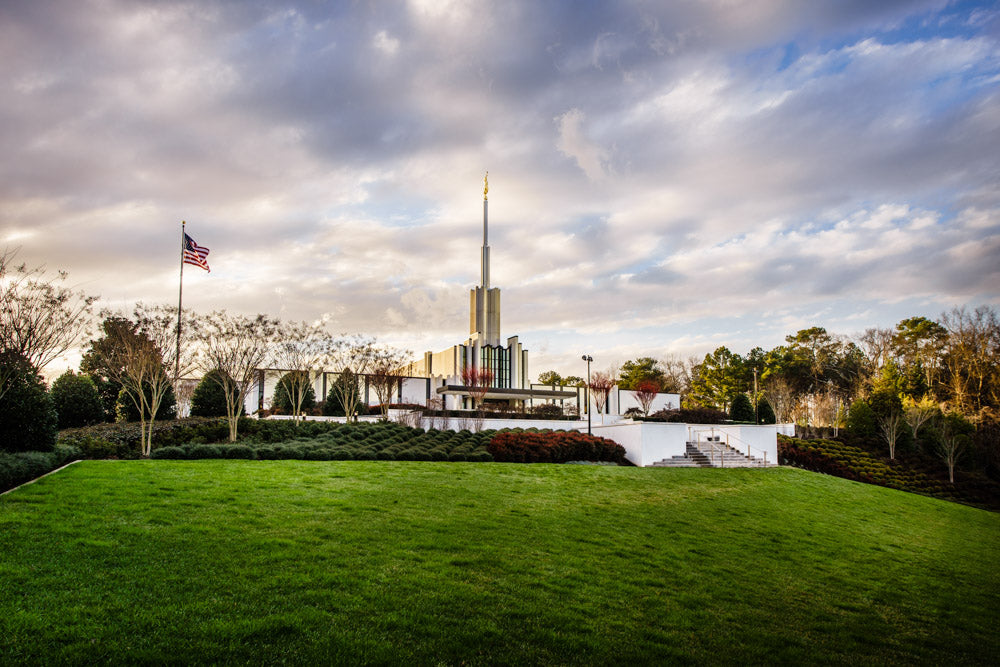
point(951, 442)
point(301, 348)
point(972, 358)
point(877, 345)
point(646, 392)
point(780, 393)
point(140, 354)
point(236, 346)
point(890, 424)
point(354, 356)
point(823, 408)
point(387, 373)
point(917, 413)
point(478, 382)
point(601, 384)
point(40, 319)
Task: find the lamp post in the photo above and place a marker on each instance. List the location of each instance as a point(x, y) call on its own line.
point(586, 392)
point(756, 419)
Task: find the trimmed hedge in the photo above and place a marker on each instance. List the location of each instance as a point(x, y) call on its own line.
point(553, 447)
point(21, 467)
point(914, 473)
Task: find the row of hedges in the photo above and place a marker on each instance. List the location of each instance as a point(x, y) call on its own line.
point(21, 467)
point(553, 447)
point(912, 473)
point(315, 453)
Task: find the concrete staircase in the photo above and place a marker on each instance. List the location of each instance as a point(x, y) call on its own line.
point(711, 455)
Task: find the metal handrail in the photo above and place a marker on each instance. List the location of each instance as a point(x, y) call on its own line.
point(713, 442)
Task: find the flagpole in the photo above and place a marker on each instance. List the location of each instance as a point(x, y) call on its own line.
point(180, 294)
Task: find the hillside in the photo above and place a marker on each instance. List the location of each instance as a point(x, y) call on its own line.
point(404, 562)
point(910, 471)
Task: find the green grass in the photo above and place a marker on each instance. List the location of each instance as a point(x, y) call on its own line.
point(395, 562)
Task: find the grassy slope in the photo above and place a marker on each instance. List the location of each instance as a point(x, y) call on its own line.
point(417, 562)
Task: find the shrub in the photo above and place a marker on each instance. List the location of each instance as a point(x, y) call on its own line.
point(76, 400)
point(170, 452)
point(204, 452)
point(553, 447)
point(209, 398)
point(696, 415)
point(546, 411)
point(21, 467)
point(28, 420)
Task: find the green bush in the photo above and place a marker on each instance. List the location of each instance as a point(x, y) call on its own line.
point(21, 467)
point(169, 452)
point(204, 452)
point(76, 400)
point(28, 420)
point(209, 398)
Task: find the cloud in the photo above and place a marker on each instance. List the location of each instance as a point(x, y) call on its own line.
point(659, 173)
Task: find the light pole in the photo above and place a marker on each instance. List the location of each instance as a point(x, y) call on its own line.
point(756, 420)
point(586, 392)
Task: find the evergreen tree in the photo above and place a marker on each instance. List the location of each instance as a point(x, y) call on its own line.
point(742, 409)
point(334, 405)
point(765, 413)
point(282, 402)
point(209, 398)
point(28, 420)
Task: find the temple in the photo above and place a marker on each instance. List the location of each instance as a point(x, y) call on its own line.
point(485, 348)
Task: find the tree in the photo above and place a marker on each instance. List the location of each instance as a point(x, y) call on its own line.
point(76, 400)
point(780, 395)
point(387, 375)
point(140, 354)
point(289, 398)
point(354, 355)
point(918, 344)
point(301, 349)
point(346, 384)
point(209, 398)
point(40, 319)
point(643, 369)
point(601, 384)
point(971, 359)
point(28, 420)
point(765, 413)
point(237, 346)
point(477, 382)
point(126, 409)
point(953, 438)
point(917, 413)
point(890, 424)
point(719, 378)
point(742, 409)
point(861, 419)
point(646, 392)
point(550, 378)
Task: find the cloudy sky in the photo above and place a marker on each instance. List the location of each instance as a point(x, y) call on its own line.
point(665, 177)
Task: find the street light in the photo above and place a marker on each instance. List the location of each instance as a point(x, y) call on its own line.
point(586, 392)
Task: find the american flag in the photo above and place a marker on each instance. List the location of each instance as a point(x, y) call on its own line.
point(195, 254)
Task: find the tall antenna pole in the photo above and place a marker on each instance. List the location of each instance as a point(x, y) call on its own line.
point(180, 295)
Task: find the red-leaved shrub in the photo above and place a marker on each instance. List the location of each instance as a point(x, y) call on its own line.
point(553, 447)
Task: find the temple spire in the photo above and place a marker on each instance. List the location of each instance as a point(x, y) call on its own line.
point(485, 271)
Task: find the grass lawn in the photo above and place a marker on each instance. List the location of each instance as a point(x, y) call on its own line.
point(398, 562)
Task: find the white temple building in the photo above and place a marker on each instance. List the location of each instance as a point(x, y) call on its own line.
point(485, 348)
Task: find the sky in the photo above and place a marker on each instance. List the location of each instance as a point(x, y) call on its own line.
point(665, 178)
